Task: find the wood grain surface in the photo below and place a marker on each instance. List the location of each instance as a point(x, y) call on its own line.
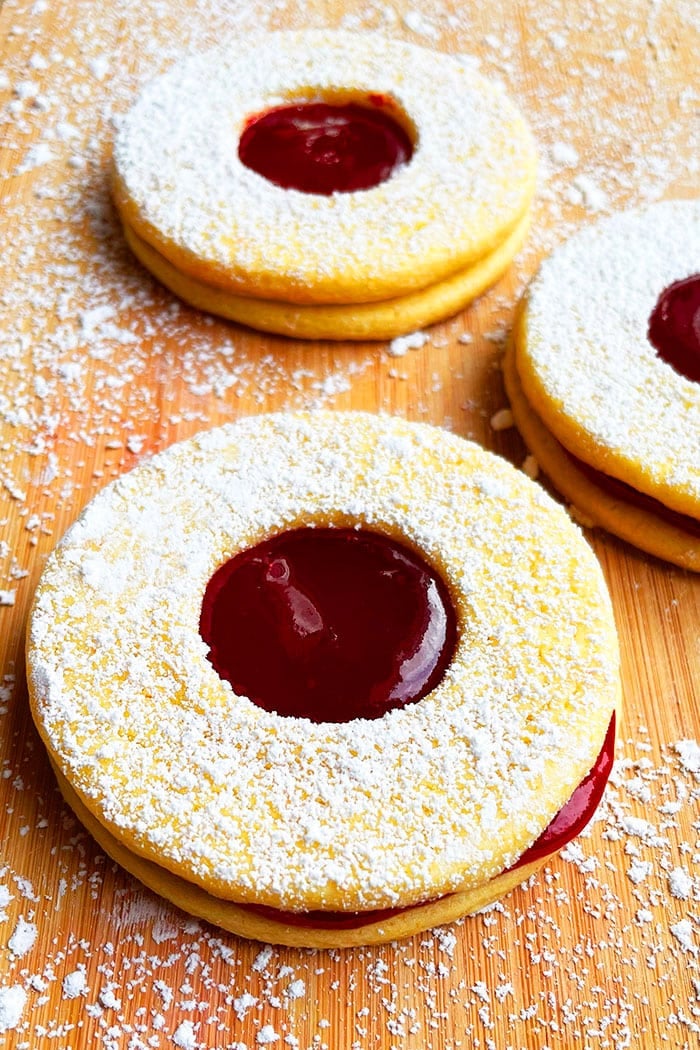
point(100, 367)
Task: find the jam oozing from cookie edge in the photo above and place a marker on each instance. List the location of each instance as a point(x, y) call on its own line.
point(625, 493)
point(571, 819)
point(329, 624)
point(323, 148)
point(674, 327)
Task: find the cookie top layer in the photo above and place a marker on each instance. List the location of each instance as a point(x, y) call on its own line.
point(438, 795)
point(180, 184)
point(586, 364)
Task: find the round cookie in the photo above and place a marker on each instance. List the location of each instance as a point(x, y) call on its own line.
point(181, 187)
point(437, 797)
point(587, 367)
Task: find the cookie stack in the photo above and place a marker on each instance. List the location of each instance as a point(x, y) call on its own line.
point(216, 178)
point(603, 376)
point(313, 825)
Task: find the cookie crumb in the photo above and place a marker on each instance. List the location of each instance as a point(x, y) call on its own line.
point(531, 467)
point(502, 420)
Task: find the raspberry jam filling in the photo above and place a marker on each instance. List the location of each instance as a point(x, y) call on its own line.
point(625, 493)
point(674, 327)
point(318, 147)
point(573, 817)
point(329, 624)
point(566, 825)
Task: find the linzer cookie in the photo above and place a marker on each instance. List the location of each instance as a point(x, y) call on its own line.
point(326, 678)
point(325, 184)
point(604, 376)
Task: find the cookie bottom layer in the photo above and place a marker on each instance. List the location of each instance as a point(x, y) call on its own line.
point(357, 321)
point(245, 922)
point(634, 524)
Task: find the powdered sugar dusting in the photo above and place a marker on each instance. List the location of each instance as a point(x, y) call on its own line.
point(96, 631)
point(202, 984)
point(591, 962)
point(586, 348)
point(182, 187)
point(23, 937)
point(12, 1001)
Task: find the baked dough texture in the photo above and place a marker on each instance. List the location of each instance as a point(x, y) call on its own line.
point(435, 798)
point(584, 371)
point(594, 504)
point(183, 192)
point(246, 922)
point(374, 320)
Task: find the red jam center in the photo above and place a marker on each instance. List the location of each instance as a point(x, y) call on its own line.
point(329, 624)
point(316, 147)
point(674, 327)
point(568, 823)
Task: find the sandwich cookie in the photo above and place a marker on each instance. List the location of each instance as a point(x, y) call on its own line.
point(325, 184)
point(326, 678)
point(603, 374)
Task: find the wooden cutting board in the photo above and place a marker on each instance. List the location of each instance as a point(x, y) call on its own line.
point(99, 367)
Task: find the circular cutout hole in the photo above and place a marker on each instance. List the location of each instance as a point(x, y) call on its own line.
point(674, 327)
point(324, 147)
point(329, 624)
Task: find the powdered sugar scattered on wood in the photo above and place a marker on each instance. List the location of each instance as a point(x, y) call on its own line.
point(628, 133)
